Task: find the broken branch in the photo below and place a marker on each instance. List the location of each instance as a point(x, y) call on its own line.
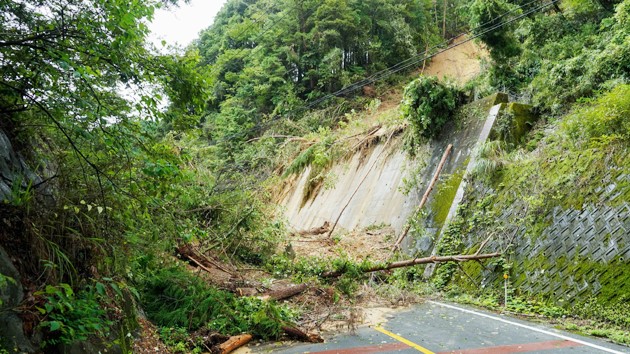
point(416, 261)
point(300, 335)
point(234, 343)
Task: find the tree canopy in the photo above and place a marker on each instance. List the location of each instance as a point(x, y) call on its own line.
point(269, 57)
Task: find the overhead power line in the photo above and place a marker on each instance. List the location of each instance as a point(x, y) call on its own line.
point(405, 64)
point(424, 56)
point(414, 58)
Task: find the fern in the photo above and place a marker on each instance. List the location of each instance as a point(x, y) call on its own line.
point(175, 298)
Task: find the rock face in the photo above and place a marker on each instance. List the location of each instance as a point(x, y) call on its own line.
point(11, 295)
point(15, 175)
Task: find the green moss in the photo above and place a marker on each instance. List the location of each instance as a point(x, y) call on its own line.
point(492, 100)
point(477, 110)
point(444, 197)
point(614, 277)
point(514, 122)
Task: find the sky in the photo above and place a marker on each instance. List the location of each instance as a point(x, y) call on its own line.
point(181, 25)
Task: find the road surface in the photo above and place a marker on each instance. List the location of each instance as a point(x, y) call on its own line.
point(441, 328)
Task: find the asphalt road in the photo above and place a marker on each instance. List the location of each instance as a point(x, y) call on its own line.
point(441, 328)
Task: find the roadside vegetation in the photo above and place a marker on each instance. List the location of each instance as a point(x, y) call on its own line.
point(113, 190)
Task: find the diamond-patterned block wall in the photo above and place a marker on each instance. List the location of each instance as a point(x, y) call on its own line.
point(576, 256)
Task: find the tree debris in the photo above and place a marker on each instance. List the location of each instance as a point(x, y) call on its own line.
point(188, 252)
point(298, 334)
point(416, 261)
point(316, 230)
point(234, 343)
point(284, 293)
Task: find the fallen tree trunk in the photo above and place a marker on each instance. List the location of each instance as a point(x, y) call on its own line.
point(416, 261)
point(298, 334)
point(234, 343)
point(425, 197)
point(188, 252)
point(284, 293)
point(316, 230)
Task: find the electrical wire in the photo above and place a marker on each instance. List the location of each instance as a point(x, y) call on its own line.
point(422, 57)
point(403, 64)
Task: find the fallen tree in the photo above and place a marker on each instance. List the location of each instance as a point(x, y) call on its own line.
point(416, 261)
point(284, 293)
point(189, 253)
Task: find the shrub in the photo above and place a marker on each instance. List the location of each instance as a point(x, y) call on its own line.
point(606, 118)
point(173, 297)
point(71, 316)
point(428, 104)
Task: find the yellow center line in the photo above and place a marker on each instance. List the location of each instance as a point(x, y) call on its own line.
point(403, 340)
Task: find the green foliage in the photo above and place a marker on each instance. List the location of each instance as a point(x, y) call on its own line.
point(602, 121)
point(516, 304)
point(546, 63)
point(179, 340)
point(491, 158)
point(485, 17)
point(449, 244)
point(616, 313)
point(306, 269)
point(428, 104)
point(270, 57)
point(4, 282)
point(172, 297)
point(317, 156)
point(186, 84)
point(70, 316)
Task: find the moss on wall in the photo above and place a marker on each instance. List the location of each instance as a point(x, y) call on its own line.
point(444, 196)
point(513, 123)
point(564, 186)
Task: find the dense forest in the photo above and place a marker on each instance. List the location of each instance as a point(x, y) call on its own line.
point(115, 158)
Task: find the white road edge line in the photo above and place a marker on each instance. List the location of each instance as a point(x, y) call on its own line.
point(528, 327)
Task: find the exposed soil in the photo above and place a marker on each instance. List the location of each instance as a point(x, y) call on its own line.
point(148, 341)
point(460, 63)
point(374, 244)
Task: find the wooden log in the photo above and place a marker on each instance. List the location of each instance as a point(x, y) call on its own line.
point(316, 230)
point(234, 343)
point(188, 252)
point(284, 293)
point(416, 261)
point(298, 334)
point(425, 197)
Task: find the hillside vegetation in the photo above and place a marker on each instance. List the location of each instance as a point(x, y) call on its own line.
point(104, 195)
